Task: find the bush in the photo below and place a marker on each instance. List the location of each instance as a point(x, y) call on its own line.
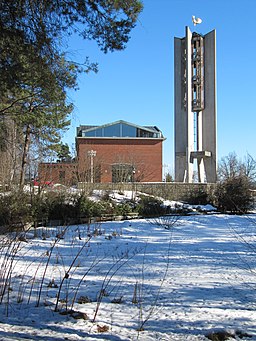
point(125, 208)
point(61, 206)
point(102, 207)
point(40, 208)
point(198, 196)
point(233, 195)
point(84, 206)
point(150, 207)
point(15, 209)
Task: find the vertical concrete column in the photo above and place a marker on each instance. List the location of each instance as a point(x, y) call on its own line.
point(180, 102)
point(209, 113)
point(189, 113)
point(184, 134)
point(200, 161)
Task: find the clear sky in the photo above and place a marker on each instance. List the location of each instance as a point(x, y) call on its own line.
point(136, 85)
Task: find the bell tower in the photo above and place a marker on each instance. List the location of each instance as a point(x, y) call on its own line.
point(195, 107)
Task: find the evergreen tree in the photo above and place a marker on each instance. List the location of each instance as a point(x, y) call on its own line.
point(41, 113)
point(63, 153)
point(31, 30)
point(35, 73)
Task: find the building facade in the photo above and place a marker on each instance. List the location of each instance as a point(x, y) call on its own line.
point(50, 173)
point(119, 152)
point(195, 107)
point(113, 152)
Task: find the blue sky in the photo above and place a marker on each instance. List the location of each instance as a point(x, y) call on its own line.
point(136, 85)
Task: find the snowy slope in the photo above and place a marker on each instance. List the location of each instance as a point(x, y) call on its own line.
point(135, 279)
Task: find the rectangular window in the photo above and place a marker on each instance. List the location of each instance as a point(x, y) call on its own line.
point(122, 173)
point(62, 175)
point(112, 131)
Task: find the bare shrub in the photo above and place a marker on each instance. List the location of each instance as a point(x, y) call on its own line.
point(166, 221)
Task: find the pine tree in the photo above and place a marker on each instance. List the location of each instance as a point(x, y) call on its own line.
point(35, 73)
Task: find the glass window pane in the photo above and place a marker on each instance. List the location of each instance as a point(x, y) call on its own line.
point(112, 131)
point(129, 131)
point(93, 133)
point(89, 133)
point(98, 132)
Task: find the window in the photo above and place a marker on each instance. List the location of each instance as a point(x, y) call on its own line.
point(112, 131)
point(128, 130)
point(62, 175)
point(121, 129)
point(122, 173)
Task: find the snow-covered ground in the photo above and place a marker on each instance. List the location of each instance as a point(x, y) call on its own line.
point(135, 280)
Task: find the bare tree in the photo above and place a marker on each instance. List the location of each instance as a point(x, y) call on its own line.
point(249, 168)
point(236, 177)
point(133, 168)
point(229, 167)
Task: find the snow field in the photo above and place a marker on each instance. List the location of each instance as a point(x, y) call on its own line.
point(140, 281)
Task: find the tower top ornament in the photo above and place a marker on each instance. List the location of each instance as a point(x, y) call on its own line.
point(196, 21)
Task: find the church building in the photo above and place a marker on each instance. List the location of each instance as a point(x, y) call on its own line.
point(115, 152)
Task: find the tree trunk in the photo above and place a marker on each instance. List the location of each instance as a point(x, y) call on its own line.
point(25, 156)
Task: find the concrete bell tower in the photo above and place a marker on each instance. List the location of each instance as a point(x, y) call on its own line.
point(195, 106)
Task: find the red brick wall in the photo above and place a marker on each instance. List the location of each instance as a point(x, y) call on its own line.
point(64, 173)
point(144, 154)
